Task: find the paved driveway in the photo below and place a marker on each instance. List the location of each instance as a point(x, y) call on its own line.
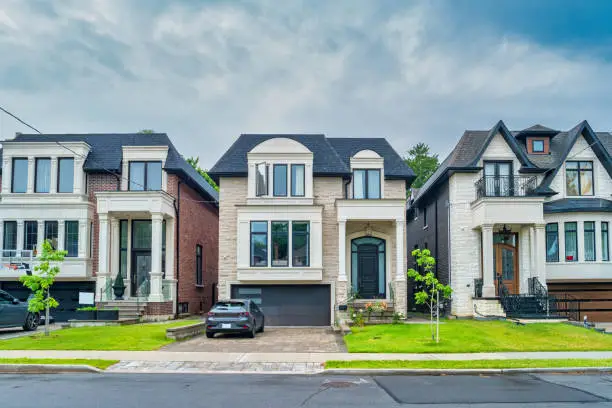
point(12, 333)
point(273, 340)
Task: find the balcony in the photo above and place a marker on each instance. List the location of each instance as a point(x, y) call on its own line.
point(506, 186)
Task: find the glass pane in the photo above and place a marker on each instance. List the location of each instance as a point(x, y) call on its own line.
point(381, 275)
point(51, 228)
point(72, 238)
point(261, 176)
point(507, 264)
point(301, 238)
point(354, 269)
point(20, 175)
point(154, 176)
point(571, 242)
point(586, 165)
point(280, 243)
point(259, 226)
point(10, 235)
point(137, 176)
point(123, 233)
point(43, 175)
point(586, 182)
point(571, 182)
point(297, 180)
point(373, 184)
point(589, 241)
point(65, 183)
point(280, 179)
point(504, 169)
point(259, 250)
point(359, 184)
point(31, 235)
point(552, 243)
point(538, 146)
point(123, 263)
point(571, 165)
point(141, 234)
point(489, 169)
point(605, 242)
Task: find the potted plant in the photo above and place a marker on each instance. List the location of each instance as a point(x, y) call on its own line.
point(108, 314)
point(119, 287)
point(86, 313)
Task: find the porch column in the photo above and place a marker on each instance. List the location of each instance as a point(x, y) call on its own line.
point(102, 257)
point(400, 269)
point(170, 248)
point(540, 253)
point(114, 269)
point(488, 285)
point(156, 294)
point(342, 250)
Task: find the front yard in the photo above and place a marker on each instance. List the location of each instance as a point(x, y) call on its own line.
point(471, 336)
point(137, 337)
point(468, 364)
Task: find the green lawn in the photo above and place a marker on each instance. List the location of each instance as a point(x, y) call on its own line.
point(101, 364)
point(471, 336)
point(456, 364)
point(149, 336)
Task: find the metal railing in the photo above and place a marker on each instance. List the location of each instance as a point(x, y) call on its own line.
point(567, 305)
point(506, 186)
point(539, 291)
point(478, 288)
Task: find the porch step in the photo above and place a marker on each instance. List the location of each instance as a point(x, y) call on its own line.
point(488, 308)
point(128, 309)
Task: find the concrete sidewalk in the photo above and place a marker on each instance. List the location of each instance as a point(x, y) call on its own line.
point(316, 358)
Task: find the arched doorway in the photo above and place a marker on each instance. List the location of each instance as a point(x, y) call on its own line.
point(368, 267)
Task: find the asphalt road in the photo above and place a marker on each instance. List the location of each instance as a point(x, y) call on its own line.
point(274, 391)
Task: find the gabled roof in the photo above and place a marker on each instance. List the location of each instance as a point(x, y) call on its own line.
point(578, 205)
point(536, 130)
point(331, 156)
point(501, 128)
point(106, 154)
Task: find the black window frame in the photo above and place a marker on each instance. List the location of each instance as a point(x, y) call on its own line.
point(199, 266)
point(592, 232)
point(578, 170)
point(146, 174)
point(33, 233)
point(36, 161)
point(71, 245)
point(59, 174)
point(605, 246)
point(366, 184)
point(251, 233)
point(533, 146)
point(275, 234)
point(306, 234)
point(575, 231)
point(123, 228)
point(550, 235)
point(303, 179)
point(16, 159)
point(274, 167)
point(48, 232)
point(4, 235)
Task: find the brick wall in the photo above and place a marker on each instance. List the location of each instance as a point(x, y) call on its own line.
point(98, 182)
point(156, 309)
point(198, 225)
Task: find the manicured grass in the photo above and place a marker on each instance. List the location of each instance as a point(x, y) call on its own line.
point(471, 336)
point(456, 364)
point(101, 364)
point(136, 337)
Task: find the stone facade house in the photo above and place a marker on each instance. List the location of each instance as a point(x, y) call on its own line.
point(119, 204)
point(305, 221)
point(519, 216)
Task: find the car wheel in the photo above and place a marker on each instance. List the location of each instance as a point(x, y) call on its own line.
point(210, 335)
point(31, 322)
point(261, 329)
point(253, 330)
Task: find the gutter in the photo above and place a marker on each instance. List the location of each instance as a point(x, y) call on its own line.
point(177, 211)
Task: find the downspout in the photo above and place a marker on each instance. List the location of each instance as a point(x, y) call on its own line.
point(436, 240)
point(177, 211)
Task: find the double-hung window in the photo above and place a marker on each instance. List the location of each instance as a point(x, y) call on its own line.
point(145, 176)
point(366, 184)
point(65, 175)
point(199, 280)
point(259, 243)
point(297, 180)
point(280, 180)
point(280, 243)
point(71, 238)
point(30, 235)
point(579, 178)
point(19, 182)
point(571, 242)
point(589, 241)
point(605, 241)
point(10, 236)
point(51, 228)
point(552, 242)
point(43, 175)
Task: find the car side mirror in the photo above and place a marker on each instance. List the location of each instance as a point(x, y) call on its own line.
point(15, 301)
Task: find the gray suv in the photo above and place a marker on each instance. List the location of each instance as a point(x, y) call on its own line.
point(235, 316)
point(14, 313)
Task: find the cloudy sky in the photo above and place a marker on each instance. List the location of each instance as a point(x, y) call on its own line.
point(205, 71)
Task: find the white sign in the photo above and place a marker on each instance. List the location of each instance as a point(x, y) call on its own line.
point(86, 298)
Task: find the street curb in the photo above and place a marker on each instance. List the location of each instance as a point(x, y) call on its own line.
point(465, 371)
point(47, 369)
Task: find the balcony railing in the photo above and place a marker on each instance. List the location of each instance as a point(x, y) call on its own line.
point(506, 186)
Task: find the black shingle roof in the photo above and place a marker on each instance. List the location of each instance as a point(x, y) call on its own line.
point(330, 155)
point(106, 154)
point(578, 205)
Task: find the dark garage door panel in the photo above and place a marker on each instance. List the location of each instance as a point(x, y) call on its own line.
point(291, 305)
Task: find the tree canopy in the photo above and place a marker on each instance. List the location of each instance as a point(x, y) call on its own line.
point(195, 163)
point(423, 162)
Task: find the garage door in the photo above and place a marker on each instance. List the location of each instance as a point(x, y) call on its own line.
point(289, 305)
point(591, 299)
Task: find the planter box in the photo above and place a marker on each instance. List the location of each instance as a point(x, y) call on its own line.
point(107, 315)
point(85, 315)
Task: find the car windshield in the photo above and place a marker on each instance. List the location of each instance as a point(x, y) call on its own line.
point(230, 307)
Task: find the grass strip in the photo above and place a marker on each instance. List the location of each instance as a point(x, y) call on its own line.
point(101, 364)
point(465, 364)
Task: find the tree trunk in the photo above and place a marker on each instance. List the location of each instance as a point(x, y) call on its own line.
point(47, 315)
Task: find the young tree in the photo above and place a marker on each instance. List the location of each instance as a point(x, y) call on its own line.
point(432, 290)
point(42, 279)
point(195, 163)
point(423, 163)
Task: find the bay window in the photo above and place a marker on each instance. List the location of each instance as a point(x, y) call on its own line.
point(552, 242)
point(589, 240)
point(571, 242)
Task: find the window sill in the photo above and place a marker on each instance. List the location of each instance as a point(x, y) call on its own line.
point(199, 286)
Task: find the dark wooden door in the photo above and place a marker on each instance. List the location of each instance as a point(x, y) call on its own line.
point(367, 259)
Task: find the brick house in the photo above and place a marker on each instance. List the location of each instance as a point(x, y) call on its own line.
point(118, 203)
point(306, 221)
point(512, 216)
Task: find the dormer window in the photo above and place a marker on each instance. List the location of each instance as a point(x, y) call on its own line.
point(366, 184)
point(145, 176)
point(280, 180)
point(261, 179)
point(537, 146)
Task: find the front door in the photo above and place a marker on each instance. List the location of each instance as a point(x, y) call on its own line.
point(140, 274)
point(505, 257)
point(367, 259)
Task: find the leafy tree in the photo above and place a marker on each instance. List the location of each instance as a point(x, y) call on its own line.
point(41, 281)
point(433, 291)
point(423, 163)
point(195, 163)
